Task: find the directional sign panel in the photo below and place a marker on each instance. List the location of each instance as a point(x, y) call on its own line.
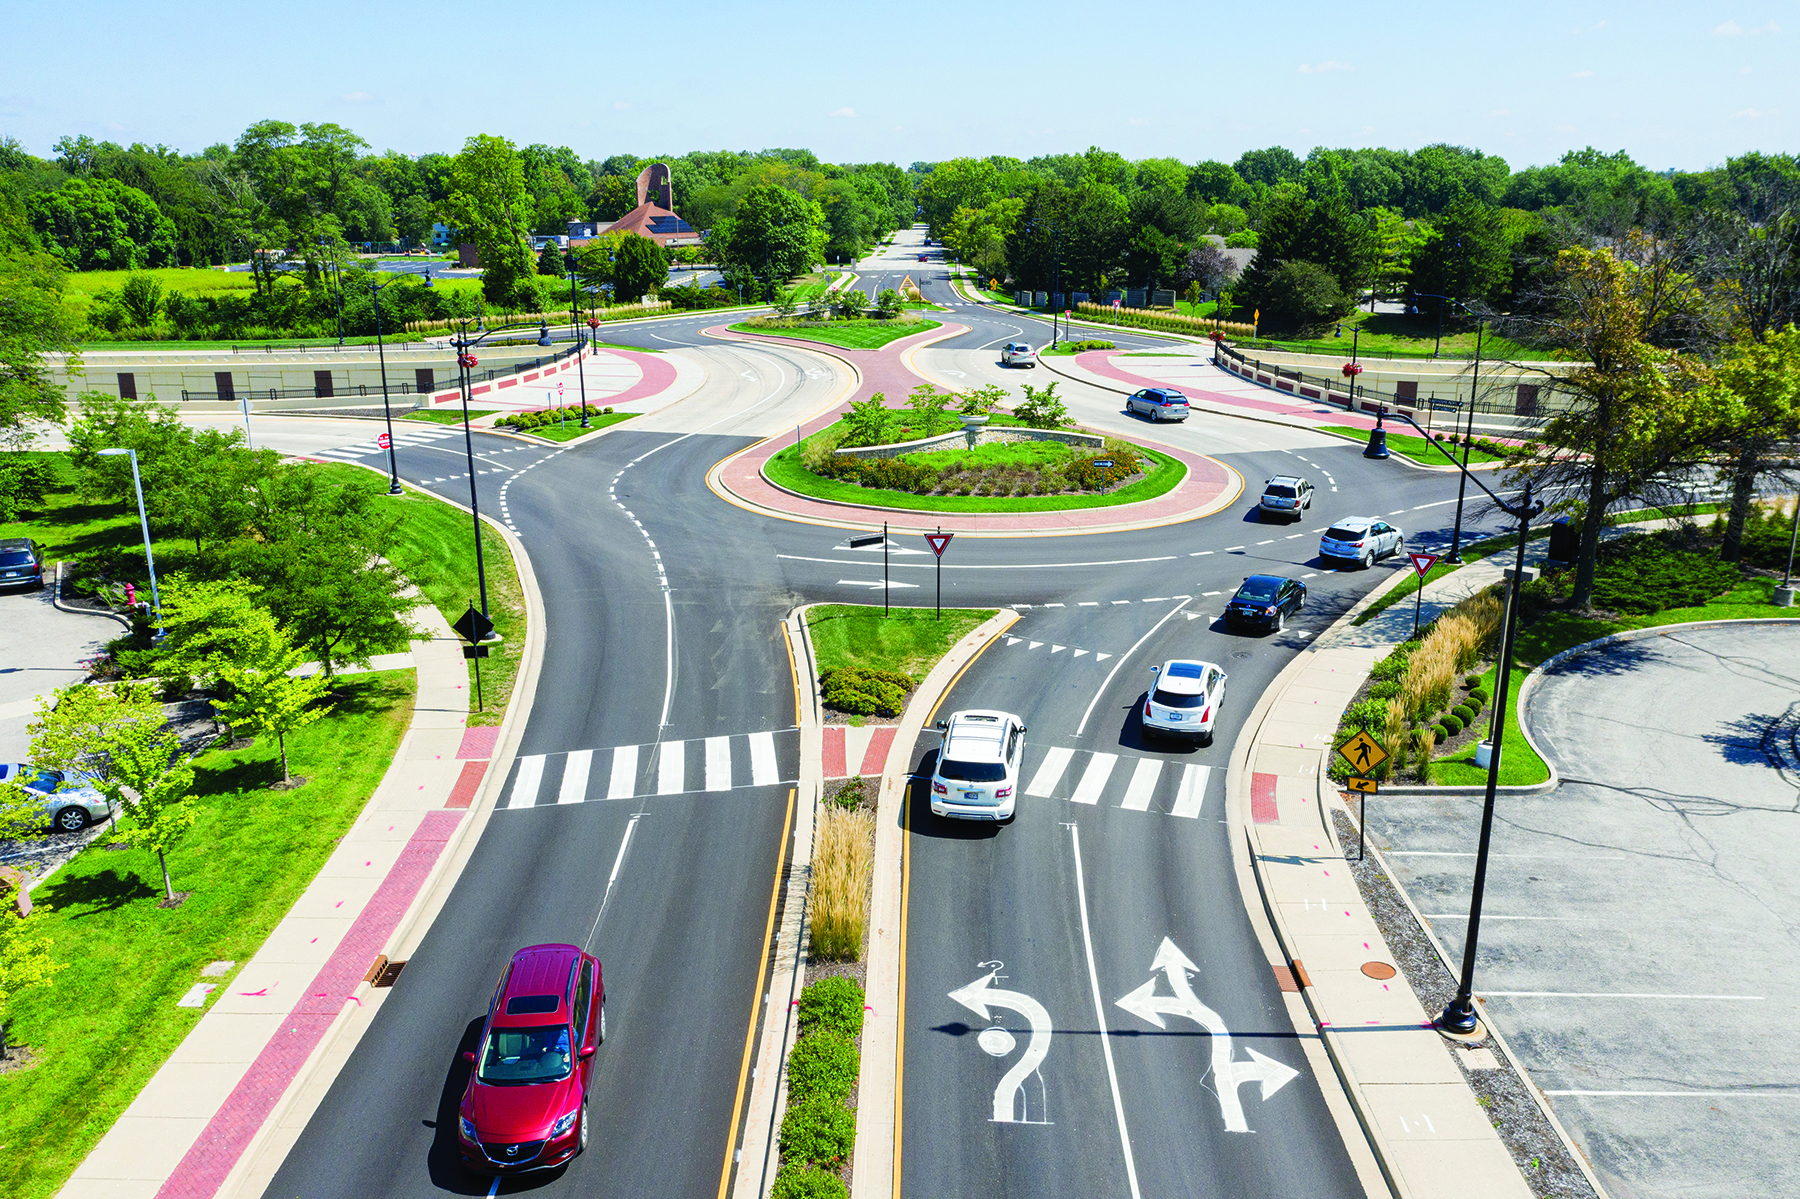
point(939, 542)
point(1363, 751)
point(1366, 786)
point(1422, 562)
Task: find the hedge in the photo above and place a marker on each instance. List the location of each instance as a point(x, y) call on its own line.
point(823, 1063)
point(832, 1003)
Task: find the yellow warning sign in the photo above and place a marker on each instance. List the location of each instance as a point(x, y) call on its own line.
point(1363, 752)
point(1366, 786)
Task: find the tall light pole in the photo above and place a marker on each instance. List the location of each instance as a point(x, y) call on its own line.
point(335, 277)
point(394, 487)
point(1455, 554)
point(137, 483)
point(580, 340)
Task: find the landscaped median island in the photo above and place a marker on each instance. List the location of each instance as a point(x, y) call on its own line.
point(562, 422)
point(1429, 700)
point(869, 663)
point(849, 335)
point(1029, 460)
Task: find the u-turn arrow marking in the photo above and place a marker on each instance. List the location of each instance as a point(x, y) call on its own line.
point(978, 996)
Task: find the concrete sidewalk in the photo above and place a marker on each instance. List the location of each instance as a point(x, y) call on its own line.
point(271, 1020)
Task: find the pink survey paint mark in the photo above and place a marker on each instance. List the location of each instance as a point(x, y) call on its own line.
point(264, 991)
point(338, 904)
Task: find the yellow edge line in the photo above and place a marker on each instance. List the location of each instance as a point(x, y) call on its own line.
point(762, 971)
point(905, 904)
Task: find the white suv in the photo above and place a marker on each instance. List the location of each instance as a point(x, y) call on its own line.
point(1184, 700)
point(977, 775)
point(1017, 353)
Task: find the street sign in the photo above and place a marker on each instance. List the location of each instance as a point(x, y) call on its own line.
point(475, 651)
point(871, 539)
point(1366, 786)
point(1423, 562)
point(939, 542)
point(472, 626)
point(1363, 751)
point(1446, 405)
point(1104, 463)
point(383, 441)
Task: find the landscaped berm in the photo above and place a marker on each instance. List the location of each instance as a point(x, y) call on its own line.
point(961, 453)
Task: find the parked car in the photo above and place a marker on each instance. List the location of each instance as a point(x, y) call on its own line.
point(1184, 699)
point(21, 563)
point(1285, 495)
point(1265, 602)
point(68, 800)
point(977, 774)
point(1158, 403)
point(1017, 353)
point(1360, 539)
point(525, 1107)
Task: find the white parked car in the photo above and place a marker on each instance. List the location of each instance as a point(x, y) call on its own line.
point(1360, 539)
point(1184, 700)
point(68, 801)
point(977, 775)
point(1017, 353)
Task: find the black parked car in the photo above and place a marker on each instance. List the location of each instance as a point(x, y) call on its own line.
point(1265, 602)
point(21, 563)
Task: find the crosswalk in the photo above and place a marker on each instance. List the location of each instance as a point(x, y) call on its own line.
point(1136, 784)
point(402, 438)
point(703, 765)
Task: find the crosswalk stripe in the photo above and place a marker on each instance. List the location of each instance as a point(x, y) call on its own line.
point(623, 784)
point(1193, 791)
point(1143, 785)
point(671, 768)
point(575, 777)
point(1049, 773)
point(763, 770)
point(718, 763)
point(1093, 779)
point(525, 787)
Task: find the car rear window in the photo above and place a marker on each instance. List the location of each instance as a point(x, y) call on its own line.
point(1256, 591)
point(532, 1005)
point(971, 772)
point(1281, 491)
point(1170, 699)
point(15, 557)
point(1340, 533)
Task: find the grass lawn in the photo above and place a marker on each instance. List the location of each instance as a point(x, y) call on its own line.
point(607, 345)
point(786, 470)
point(80, 287)
point(70, 527)
point(1395, 335)
point(108, 1021)
point(1080, 345)
point(1204, 308)
point(810, 287)
point(906, 639)
point(851, 335)
point(1006, 453)
point(1415, 448)
point(573, 429)
point(448, 416)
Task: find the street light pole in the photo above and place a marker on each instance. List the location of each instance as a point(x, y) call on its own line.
point(137, 483)
point(1455, 554)
point(580, 340)
point(462, 345)
point(394, 487)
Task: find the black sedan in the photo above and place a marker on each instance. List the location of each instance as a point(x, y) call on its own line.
point(1265, 602)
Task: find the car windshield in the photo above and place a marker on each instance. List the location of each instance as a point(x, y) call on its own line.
point(1281, 491)
point(524, 1055)
point(1170, 699)
point(15, 557)
point(971, 772)
point(1257, 589)
point(1340, 533)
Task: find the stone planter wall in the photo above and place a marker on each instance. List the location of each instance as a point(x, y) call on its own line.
point(959, 439)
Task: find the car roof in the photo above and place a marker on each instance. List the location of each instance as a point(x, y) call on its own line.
point(977, 734)
point(538, 970)
point(1353, 522)
point(1183, 676)
point(15, 543)
point(1290, 480)
point(1276, 579)
point(1165, 391)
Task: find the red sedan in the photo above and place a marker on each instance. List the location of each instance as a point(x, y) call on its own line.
point(525, 1107)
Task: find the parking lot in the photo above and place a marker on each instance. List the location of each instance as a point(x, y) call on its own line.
point(1639, 934)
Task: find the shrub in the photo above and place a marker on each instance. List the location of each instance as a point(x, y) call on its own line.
point(862, 692)
point(817, 451)
point(832, 1003)
point(607, 411)
point(1424, 743)
point(1472, 681)
point(842, 869)
point(822, 1065)
point(1078, 347)
point(807, 1182)
point(1370, 712)
point(1430, 671)
point(1649, 572)
point(1478, 695)
point(817, 1132)
point(1466, 713)
point(1391, 667)
point(1386, 689)
point(1451, 723)
point(1441, 732)
point(851, 794)
point(1082, 475)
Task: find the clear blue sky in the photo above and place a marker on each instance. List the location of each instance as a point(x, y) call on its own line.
point(1676, 85)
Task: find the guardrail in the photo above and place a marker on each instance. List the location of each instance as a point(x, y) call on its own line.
point(362, 390)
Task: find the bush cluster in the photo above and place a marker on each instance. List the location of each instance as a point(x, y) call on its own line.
point(1077, 474)
point(1649, 572)
point(835, 1004)
point(1081, 347)
point(851, 795)
point(865, 692)
point(525, 421)
point(823, 1064)
point(807, 1182)
point(689, 298)
point(819, 1129)
point(1170, 322)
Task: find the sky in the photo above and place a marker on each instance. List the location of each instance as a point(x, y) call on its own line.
point(1675, 85)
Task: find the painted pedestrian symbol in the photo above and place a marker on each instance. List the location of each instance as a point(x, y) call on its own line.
point(1012, 1103)
point(1228, 1075)
point(1363, 751)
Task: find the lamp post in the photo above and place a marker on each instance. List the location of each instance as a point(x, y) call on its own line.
point(580, 339)
point(394, 487)
point(1455, 554)
point(337, 291)
point(137, 484)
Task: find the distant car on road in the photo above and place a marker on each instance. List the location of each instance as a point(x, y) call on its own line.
point(1158, 403)
point(1184, 700)
point(977, 774)
point(1017, 353)
point(923, 256)
point(1360, 539)
point(68, 801)
point(21, 563)
point(1265, 601)
point(1285, 495)
point(525, 1107)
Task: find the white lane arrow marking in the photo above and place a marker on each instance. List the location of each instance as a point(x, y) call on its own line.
point(876, 585)
point(1009, 1093)
point(1145, 1003)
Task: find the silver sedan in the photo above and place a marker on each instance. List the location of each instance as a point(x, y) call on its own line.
point(68, 801)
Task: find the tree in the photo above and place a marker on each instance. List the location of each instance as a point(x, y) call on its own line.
point(205, 623)
point(117, 737)
point(23, 484)
point(490, 203)
point(1756, 406)
point(775, 234)
point(1632, 416)
point(1295, 227)
point(34, 323)
point(265, 693)
point(1041, 409)
point(866, 422)
point(24, 957)
point(550, 259)
point(1270, 167)
point(1208, 266)
point(932, 407)
point(101, 224)
point(1467, 257)
point(642, 267)
point(1301, 295)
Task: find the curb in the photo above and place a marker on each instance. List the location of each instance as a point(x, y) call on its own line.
point(56, 601)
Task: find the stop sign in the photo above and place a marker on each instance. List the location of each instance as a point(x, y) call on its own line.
point(383, 441)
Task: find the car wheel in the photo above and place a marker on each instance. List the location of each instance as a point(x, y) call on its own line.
point(1206, 738)
point(581, 1146)
point(71, 820)
point(1280, 620)
point(1366, 561)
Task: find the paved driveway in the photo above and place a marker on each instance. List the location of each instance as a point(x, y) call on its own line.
point(1639, 940)
point(41, 651)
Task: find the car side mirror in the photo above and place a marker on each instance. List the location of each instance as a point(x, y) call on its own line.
point(943, 726)
point(1023, 730)
point(469, 1056)
point(587, 1051)
point(1156, 670)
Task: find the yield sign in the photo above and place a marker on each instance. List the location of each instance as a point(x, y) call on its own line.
point(383, 441)
point(939, 542)
point(1423, 562)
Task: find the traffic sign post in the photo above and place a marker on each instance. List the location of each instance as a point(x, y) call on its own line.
point(475, 628)
point(383, 441)
point(939, 542)
point(1104, 465)
point(1363, 788)
point(1423, 564)
point(1364, 754)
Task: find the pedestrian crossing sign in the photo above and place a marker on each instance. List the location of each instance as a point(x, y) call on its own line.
point(1363, 751)
point(1366, 786)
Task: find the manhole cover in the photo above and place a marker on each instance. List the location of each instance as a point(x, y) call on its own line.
point(1240, 653)
point(1378, 970)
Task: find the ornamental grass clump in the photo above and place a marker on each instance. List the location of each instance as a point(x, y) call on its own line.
point(842, 869)
point(1430, 673)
